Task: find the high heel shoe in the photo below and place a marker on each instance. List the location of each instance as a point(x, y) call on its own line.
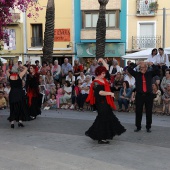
point(12, 126)
point(103, 142)
point(20, 124)
point(32, 117)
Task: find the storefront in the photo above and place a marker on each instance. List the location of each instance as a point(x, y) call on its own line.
point(86, 52)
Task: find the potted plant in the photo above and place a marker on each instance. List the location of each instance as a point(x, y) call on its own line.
point(153, 6)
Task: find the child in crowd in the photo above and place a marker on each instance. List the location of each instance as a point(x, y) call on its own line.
point(2, 101)
point(67, 95)
point(59, 91)
point(51, 103)
point(84, 93)
point(76, 93)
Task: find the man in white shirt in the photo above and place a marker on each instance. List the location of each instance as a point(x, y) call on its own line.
point(162, 60)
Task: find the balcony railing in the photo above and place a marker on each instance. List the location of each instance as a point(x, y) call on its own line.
point(143, 8)
point(36, 42)
point(146, 42)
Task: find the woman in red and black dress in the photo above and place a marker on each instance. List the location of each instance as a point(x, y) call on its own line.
point(106, 124)
point(32, 88)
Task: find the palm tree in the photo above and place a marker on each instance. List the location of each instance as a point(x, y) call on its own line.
point(101, 30)
point(49, 32)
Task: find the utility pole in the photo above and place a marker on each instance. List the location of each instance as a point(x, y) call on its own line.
point(164, 21)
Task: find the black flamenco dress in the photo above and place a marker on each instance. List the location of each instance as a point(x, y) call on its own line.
point(106, 124)
point(16, 100)
point(33, 95)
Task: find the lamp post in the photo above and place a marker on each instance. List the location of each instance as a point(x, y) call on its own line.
point(164, 21)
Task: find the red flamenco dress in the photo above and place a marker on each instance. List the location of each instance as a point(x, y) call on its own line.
point(106, 124)
point(34, 97)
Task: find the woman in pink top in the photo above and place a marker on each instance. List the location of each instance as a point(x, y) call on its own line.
point(59, 94)
point(44, 69)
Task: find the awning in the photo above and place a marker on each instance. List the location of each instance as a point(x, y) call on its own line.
point(141, 54)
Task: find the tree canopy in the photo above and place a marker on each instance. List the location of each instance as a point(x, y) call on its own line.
point(7, 5)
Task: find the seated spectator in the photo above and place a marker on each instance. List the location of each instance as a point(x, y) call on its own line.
point(3, 78)
point(70, 78)
point(124, 96)
point(67, 95)
point(84, 93)
point(37, 63)
point(59, 94)
point(125, 68)
point(51, 103)
point(77, 68)
point(42, 88)
point(130, 79)
point(56, 71)
point(132, 99)
point(51, 66)
point(1, 87)
point(118, 82)
point(162, 60)
point(76, 93)
point(81, 77)
point(49, 80)
point(2, 101)
point(156, 96)
point(10, 64)
point(157, 80)
point(165, 80)
point(44, 69)
point(93, 67)
point(114, 68)
point(53, 89)
point(166, 100)
point(152, 57)
point(65, 68)
point(7, 89)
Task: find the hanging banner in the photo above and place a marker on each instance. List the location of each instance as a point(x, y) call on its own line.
point(61, 35)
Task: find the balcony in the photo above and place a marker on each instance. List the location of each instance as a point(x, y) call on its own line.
point(146, 7)
point(36, 42)
point(146, 42)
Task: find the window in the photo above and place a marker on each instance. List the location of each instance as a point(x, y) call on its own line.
point(36, 39)
point(90, 19)
point(10, 40)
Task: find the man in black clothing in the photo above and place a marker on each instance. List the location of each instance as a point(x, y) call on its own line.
point(143, 94)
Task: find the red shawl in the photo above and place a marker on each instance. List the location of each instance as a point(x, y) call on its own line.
point(91, 97)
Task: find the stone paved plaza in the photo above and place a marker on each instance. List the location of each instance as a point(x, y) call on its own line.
point(56, 141)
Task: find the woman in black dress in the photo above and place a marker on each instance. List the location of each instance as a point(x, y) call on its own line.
point(32, 88)
point(106, 124)
point(16, 96)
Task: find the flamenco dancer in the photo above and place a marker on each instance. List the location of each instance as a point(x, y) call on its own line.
point(16, 96)
point(32, 88)
point(106, 124)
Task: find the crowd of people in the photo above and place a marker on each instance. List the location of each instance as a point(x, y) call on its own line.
point(54, 86)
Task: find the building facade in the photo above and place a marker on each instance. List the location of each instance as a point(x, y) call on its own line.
point(85, 19)
point(145, 24)
point(12, 47)
point(64, 34)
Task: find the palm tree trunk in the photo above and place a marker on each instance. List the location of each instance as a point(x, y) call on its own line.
point(101, 30)
point(49, 32)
